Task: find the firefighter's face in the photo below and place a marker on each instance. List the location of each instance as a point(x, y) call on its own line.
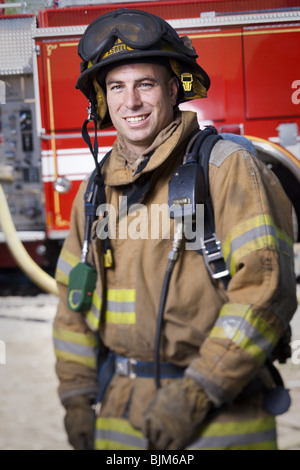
point(141, 100)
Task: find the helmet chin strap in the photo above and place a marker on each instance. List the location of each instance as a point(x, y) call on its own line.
point(92, 116)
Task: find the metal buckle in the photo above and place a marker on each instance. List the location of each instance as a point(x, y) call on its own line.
point(210, 257)
point(125, 366)
point(97, 408)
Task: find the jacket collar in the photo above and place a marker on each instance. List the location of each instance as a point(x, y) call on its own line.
point(115, 170)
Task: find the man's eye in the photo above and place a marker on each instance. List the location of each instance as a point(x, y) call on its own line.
point(146, 85)
point(116, 87)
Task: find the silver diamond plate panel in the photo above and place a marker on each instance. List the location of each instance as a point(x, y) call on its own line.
point(16, 45)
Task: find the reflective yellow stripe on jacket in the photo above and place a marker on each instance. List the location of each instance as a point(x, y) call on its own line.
point(113, 434)
point(120, 306)
point(252, 235)
point(248, 330)
point(75, 347)
point(258, 434)
point(66, 262)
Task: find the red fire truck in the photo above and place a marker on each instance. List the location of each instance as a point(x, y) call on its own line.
point(250, 49)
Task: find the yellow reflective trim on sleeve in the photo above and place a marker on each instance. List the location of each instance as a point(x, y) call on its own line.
point(74, 337)
point(244, 311)
point(75, 347)
point(252, 235)
point(247, 248)
point(242, 341)
point(61, 277)
point(70, 357)
point(65, 263)
point(69, 257)
point(247, 329)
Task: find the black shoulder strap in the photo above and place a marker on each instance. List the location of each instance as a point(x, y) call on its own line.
point(212, 248)
point(93, 197)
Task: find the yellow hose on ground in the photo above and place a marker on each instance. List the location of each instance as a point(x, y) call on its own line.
point(18, 251)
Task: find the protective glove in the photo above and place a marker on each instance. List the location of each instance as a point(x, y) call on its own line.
point(79, 423)
point(172, 418)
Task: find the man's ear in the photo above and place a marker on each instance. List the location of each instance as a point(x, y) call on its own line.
point(174, 89)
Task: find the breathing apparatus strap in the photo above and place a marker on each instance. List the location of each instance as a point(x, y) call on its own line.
point(83, 276)
point(211, 246)
point(95, 193)
point(183, 187)
point(87, 139)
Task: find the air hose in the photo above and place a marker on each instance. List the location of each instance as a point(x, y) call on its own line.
point(18, 251)
point(173, 255)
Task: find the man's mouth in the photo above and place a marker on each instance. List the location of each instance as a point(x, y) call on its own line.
point(135, 119)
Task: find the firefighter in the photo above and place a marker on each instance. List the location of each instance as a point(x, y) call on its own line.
point(214, 390)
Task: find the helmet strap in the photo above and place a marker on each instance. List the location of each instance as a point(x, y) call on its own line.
point(87, 139)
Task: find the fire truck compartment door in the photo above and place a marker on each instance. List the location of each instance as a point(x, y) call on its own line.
point(271, 59)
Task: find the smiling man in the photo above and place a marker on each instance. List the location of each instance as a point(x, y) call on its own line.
point(146, 360)
point(141, 100)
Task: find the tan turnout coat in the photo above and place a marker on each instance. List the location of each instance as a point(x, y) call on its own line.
point(221, 337)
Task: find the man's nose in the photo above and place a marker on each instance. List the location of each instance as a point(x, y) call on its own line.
point(133, 99)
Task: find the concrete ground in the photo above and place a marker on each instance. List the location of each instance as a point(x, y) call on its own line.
point(31, 417)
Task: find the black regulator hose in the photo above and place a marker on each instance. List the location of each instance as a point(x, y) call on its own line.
point(173, 255)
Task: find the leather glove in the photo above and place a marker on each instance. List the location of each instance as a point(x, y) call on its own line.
point(172, 418)
point(80, 422)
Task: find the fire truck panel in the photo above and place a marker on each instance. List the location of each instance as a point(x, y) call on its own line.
point(73, 15)
point(270, 71)
point(63, 108)
point(220, 55)
point(66, 161)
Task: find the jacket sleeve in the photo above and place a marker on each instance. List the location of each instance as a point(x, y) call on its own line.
point(74, 342)
point(253, 220)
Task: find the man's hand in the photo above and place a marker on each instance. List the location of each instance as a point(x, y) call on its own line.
point(173, 417)
point(79, 423)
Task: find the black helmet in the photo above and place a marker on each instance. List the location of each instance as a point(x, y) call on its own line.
point(127, 35)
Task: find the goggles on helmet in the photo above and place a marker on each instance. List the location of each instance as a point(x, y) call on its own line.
point(127, 36)
point(137, 29)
